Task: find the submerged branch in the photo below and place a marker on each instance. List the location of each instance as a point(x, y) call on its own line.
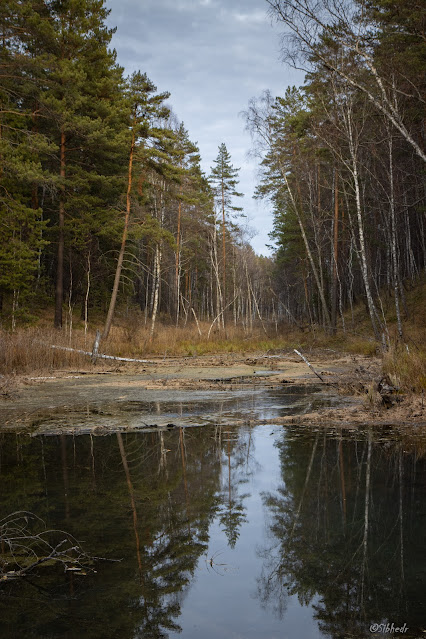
point(24, 548)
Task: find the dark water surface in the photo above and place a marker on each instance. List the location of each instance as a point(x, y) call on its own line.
point(222, 531)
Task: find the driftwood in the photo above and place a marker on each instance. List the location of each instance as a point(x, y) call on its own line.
point(102, 356)
point(309, 364)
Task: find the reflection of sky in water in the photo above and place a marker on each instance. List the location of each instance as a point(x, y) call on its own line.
point(223, 600)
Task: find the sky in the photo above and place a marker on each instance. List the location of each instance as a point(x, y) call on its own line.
point(212, 56)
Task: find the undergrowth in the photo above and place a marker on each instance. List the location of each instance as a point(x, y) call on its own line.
point(406, 368)
point(29, 350)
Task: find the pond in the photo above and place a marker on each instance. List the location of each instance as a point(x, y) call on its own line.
point(220, 531)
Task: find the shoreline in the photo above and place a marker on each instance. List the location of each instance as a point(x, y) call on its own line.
point(353, 377)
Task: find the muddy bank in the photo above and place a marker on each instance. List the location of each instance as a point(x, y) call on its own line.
point(162, 393)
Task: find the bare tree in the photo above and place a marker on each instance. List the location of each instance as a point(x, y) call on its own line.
point(310, 22)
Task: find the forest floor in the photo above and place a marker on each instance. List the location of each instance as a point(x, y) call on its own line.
point(22, 398)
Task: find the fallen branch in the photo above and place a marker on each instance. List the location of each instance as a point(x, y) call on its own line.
point(24, 548)
point(309, 364)
point(101, 356)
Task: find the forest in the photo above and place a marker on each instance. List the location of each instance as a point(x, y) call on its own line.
point(104, 207)
point(216, 486)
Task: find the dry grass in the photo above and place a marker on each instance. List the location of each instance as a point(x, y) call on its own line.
point(406, 369)
point(347, 342)
point(28, 350)
point(134, 340)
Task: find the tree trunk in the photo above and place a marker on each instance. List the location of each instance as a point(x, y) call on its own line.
point(215, 265)
point(393, 239)
point(86, 298)
point(157, 278)
point(177, 264)
point(308, 251)
point(223, 253)
point(114, 293)
point(59, 292)
point(364, 267)
point(335, 253)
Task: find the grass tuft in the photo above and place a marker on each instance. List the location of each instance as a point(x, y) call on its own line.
point(406, 369)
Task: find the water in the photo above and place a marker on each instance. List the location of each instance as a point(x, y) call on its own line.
point(113, 404)
point(254, 532)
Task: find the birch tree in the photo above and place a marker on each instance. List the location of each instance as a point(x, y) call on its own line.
point(349, 25)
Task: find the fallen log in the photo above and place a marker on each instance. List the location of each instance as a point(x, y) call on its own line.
point(102, 356)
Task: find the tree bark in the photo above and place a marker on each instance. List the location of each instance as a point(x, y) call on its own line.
point(364, 266)
point(119, 267)
point(177, 263)
point(393, 239)
point(308, 251)
point(157, 277)
point(59, 291)
point(335, 253)
point(223, 252)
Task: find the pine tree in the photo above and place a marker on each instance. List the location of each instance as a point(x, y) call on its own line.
point(145, 106)
point(21, 172)
point(224, 179)
point(79, 99)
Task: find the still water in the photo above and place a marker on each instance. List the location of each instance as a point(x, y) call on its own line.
point(221, 531)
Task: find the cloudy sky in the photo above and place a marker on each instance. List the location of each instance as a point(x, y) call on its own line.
point(212, 56)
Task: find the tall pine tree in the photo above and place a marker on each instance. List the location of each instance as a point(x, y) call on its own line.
point(80, 100)
point(224, 179)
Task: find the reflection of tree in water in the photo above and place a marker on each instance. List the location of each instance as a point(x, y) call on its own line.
point(164, 564)
point(232, 513)
point(345, 532)
point(147, 500)
point(181, 508)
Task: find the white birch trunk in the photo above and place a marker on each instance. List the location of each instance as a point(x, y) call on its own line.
point(157, 271)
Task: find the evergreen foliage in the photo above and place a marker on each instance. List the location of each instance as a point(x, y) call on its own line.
point(101, 192)
point(342, 160)
point(102, 197)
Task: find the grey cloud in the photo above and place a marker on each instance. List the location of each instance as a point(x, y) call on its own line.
point(213, 56)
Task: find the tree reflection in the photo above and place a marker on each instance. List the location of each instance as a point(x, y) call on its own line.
point(345, 532)
point(232, 512)
point(146, 500)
